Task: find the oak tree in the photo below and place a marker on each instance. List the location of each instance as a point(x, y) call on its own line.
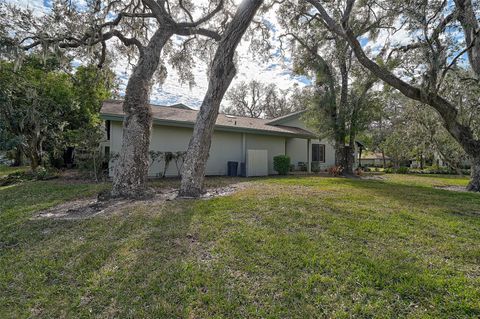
point(222, 71)
point(139, 30)
point(423, 63)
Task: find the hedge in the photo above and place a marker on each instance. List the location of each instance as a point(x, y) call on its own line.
point(281, 164)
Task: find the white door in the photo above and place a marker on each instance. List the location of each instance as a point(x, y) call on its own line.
point(257, 162)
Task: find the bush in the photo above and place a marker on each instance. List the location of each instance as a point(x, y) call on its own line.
point(388, 170)
point(315, 167)
point(19, 177)
point(302, 166)
point(402, 170)
point(281, 164)
point(335, 170)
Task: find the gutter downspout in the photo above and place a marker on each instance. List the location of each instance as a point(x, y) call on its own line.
point(244, 152)
point(309, 160)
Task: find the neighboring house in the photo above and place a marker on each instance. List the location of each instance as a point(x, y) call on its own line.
point(374, 159)
point(240, 139)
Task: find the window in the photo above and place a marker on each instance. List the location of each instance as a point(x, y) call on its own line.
point(318, 153)
point(107, 129)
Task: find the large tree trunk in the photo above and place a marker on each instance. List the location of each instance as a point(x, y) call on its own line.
point(474, 184)
point(344, 151)
point(35, 152)
point(34, 160)
point(222, 72)
point(18, 156)
point(340, 158)
point(130, 173)
point(470, 27)
point(345, 157)
point(360, 157)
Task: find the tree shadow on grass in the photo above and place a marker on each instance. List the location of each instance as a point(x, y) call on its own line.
point(412, 195)
point(101, 266)
point(187, 258)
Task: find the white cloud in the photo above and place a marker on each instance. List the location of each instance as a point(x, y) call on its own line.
point(38, 6)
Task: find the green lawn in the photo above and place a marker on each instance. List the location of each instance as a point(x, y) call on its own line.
point(5, 170)
point(294, 247)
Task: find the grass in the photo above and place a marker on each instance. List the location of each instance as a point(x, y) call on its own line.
point(292, 247)
point(5, 170)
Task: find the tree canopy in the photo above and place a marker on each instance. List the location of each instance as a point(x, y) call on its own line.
point(44, 107)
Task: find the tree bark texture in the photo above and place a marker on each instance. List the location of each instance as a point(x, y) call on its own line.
point(471, 30)
point(222, 71)
point(474, 184)
point(131, 171)
point(345, 157)
point(18, 157)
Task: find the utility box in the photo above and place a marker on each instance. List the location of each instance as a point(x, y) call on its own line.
point(232, 169)
point(257, 163)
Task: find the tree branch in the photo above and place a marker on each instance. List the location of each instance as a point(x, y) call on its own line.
point(448, 112)
point(200, 31)
point(203, 19)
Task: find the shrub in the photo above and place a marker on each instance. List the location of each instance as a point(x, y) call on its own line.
point(302, 166)
point(315, 167)
point(359, 171)
point(281, 164)
point(402, 170)
point(19, 177)
point(335, 170)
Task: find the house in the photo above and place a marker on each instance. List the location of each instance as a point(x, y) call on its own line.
point(375, 159)
point(251, 141)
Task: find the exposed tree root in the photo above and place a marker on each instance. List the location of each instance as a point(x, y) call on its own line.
point(104, 205)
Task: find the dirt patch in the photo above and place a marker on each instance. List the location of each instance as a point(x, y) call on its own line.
point(462, 189)
point(223, 191)
point(373, 177)
point(90, 207)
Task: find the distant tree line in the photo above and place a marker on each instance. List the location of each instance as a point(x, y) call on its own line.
point(259, 100)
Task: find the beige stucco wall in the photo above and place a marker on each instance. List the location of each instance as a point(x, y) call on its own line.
point(275, 145)
point(297, 148)
point(226, 146)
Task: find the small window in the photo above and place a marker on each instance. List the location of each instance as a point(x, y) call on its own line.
point(107, 129)
point(318, 153)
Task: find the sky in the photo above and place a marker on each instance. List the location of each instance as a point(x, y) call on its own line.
point(277, 69)
point(249, 67)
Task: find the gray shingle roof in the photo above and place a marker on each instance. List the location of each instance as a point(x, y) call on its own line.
point(174, 116)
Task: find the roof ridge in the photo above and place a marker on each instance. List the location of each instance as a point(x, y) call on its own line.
point(280, 118)
point(190, 109)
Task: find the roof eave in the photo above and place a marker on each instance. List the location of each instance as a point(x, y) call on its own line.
point(174, 123)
